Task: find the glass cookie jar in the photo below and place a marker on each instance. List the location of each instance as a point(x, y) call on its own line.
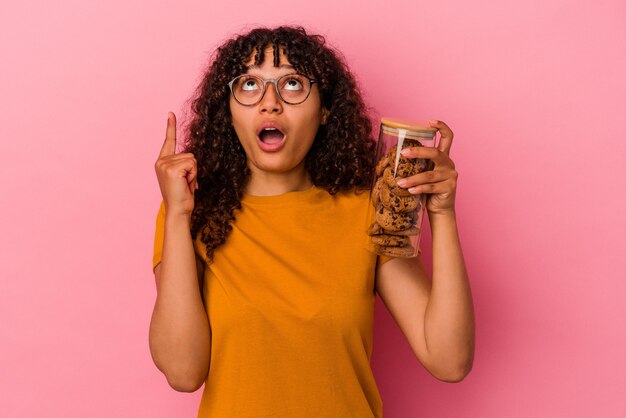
point(396, 214)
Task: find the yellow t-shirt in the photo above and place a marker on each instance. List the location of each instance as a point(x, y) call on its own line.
point(290, 300)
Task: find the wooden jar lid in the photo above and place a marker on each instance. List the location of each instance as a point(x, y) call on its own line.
point(409, 125)
point(411, 130)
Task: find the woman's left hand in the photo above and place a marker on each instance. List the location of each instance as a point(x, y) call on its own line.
point(439, 183)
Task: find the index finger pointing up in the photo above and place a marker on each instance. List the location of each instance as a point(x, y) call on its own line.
point(169, 146)
point(446, 135)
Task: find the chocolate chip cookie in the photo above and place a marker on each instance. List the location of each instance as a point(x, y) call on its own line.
point(391, 182)
point(393, 221)
point(392, 201)
point(387, 240)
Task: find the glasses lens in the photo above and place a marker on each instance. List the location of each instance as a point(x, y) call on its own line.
point(294, 88)
point(247, 89)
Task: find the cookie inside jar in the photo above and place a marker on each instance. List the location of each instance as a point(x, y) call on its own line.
point(397, 214)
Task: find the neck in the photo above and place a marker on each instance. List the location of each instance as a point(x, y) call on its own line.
point(272, 184)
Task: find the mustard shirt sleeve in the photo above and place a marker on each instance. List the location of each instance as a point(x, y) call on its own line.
point(382, 259)
point(158, 236)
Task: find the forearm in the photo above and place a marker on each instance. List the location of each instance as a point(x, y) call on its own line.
point(179, 329)
point(449, 316)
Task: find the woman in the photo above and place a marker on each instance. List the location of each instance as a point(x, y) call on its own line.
point(265, 292)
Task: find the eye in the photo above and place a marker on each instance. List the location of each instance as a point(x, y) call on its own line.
point(292, 83)
point(249, 84)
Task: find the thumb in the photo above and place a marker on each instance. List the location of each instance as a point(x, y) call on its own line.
point(445, 141)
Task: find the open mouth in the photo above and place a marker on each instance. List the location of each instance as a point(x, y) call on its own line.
point(271, 136)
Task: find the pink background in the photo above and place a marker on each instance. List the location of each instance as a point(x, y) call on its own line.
point(534, 92)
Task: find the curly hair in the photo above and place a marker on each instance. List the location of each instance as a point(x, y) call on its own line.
point(340, 159)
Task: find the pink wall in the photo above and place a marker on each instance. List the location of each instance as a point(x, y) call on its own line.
point(533, 90)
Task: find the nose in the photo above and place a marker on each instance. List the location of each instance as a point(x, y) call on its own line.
point(270, 102)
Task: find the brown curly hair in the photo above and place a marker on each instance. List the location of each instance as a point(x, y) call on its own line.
point(340, 159)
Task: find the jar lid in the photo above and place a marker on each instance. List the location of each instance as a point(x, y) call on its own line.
point(407, 124)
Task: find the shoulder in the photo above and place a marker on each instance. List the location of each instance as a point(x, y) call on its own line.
point(354, 196)
point(350, 207)
point(353, 200)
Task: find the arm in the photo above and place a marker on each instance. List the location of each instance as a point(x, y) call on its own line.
point(180, 337)
point(437, 315)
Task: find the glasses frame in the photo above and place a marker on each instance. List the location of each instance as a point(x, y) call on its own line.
point(273, 81)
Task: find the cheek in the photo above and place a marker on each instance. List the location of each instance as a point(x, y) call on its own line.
point(234, 114)
point(239, 121)
point(314, 122)
point(308, 133)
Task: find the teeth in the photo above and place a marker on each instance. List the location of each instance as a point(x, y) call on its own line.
point(270, 129)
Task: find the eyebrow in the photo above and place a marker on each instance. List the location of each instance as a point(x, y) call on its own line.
point(256, 67)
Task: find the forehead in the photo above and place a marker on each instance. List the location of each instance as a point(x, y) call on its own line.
point(268, 59)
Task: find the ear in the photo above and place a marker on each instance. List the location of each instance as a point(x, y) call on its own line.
point(325, 113)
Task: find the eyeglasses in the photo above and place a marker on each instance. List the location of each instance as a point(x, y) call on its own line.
point(293, 89)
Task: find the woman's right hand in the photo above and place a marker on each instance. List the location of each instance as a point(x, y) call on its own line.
point(177, 173)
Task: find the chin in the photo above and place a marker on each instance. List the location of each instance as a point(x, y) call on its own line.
point(275, 164)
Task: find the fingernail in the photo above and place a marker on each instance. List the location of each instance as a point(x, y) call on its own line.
point(413, 190)
point(402, 182)
point(433, 122)
point(405, 152)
